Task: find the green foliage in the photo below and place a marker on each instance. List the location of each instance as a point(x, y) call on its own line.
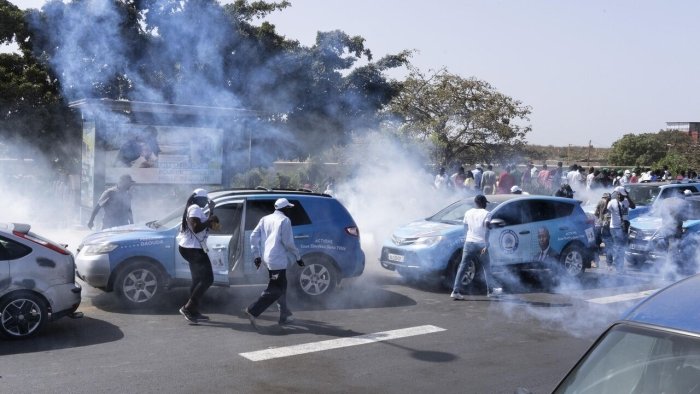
point(464, 119)
point(643, 150)
point(675, 162)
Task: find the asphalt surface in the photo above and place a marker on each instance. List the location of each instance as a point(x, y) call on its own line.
point(527, 337)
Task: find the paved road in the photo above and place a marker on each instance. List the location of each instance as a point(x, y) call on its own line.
point(528, 337)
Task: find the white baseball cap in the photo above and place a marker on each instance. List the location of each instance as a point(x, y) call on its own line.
point(200, 193)
point(627, 172)
point(283, 203)
point(621, 190)
point(515, 188)
point(687, 192)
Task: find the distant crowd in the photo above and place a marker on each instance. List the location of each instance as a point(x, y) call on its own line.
point(546, 181)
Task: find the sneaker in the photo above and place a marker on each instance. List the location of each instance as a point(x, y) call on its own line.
point(456, 296)
point(251, 318)
point(200, 317)
point(287, 320)
point(190, 317)
point(495, 291)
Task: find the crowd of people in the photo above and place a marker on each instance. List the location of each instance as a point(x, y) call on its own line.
point(544, 180)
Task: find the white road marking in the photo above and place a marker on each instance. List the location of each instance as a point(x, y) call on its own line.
point(622, 297)
point(312, 347)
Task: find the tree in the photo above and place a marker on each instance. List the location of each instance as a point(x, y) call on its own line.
point(32, 110)
point(464, 118)
point(200, 52)
point(647, 149)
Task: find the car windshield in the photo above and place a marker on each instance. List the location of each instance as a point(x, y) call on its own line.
point(640, 360)
point(171, 220)
point(455, 212)
point(643, 194)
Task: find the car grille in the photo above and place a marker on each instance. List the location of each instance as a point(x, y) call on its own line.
point(403, 241)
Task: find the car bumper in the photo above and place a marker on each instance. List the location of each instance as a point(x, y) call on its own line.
point(64, 299)
point(416, 260)
point(94, 270)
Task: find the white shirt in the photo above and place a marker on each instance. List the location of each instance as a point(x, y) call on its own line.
point(475, 219)
point(617, 209)
point(273, 235)
point(440, 181)
point(186, 238)
point(589, 180)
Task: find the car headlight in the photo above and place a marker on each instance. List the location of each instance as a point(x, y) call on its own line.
point(428, 241)
point(95, 249)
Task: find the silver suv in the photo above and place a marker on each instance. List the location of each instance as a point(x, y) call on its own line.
point(37, 281)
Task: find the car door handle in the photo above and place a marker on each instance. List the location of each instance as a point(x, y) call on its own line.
point(524, 232)
point(302, 236)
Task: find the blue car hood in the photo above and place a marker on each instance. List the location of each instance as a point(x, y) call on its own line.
point(122, 233)
point(654, 223)
point(425, 228)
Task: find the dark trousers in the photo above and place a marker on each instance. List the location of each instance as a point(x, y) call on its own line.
point(276, 291)
point(202, 275)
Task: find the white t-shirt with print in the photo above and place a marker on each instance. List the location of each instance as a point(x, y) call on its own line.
point(475, 219)
point(187, 238)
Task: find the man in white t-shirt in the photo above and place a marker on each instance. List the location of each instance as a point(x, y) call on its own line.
point(618, 208)
point(475, 248)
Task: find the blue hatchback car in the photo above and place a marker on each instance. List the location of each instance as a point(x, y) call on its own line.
point(525, 231)
point(140, 261)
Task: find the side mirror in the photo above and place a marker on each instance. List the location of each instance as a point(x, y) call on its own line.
point(495, 223)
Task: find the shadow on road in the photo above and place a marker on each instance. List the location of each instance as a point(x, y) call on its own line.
point(233, 300)
point(64, 334)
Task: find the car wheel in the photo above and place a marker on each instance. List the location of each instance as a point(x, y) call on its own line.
point(317, 279)
point(573, 261)
point(22, 314)
point(469, 273)
point(139, 284)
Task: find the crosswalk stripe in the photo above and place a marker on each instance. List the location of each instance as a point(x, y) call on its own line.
point(312, 347)
point(622, 297)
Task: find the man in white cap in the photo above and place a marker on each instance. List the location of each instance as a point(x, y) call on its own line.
point(618, 207)
point(626, 178)
point(272, 241)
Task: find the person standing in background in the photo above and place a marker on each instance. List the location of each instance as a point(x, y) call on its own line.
point(441, 179)
point(478, 172)
point(488, 181)
point(116, 202)
point(505, 181)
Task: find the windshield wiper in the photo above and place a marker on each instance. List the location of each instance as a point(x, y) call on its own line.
point(153, 224)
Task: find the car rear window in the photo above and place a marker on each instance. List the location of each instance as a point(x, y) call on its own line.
point(256, 209)
point(11, 250)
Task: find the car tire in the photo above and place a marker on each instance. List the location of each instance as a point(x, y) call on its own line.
point(453, 266)
point(22, 315)
point(139, 284)
point(573, 261)
point(316, 279)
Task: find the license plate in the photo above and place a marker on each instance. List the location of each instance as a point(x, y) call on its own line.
point(637, 247)
point(395, 257)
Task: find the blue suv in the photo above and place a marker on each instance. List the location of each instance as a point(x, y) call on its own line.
point(140, 261)
point(525, 231)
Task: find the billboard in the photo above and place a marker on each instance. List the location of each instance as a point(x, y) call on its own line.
point(164, 154)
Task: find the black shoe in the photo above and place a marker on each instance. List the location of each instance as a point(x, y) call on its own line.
point(200, 317)
point(287, 320)
point(251, 318)
point(190, 317)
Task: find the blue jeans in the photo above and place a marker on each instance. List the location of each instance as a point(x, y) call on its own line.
point(619, 240)
point(472, 250)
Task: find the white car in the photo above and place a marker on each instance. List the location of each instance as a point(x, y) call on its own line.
point(37, 281)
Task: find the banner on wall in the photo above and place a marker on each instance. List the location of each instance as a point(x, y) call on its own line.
point(164, 154)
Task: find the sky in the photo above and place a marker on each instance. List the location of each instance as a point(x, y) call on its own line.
point(591, 70)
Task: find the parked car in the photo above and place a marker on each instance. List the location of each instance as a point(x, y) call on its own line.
point(649, 241)
point(37, 281)
point(140, 261)
point(655, 348)
point(521, 228)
